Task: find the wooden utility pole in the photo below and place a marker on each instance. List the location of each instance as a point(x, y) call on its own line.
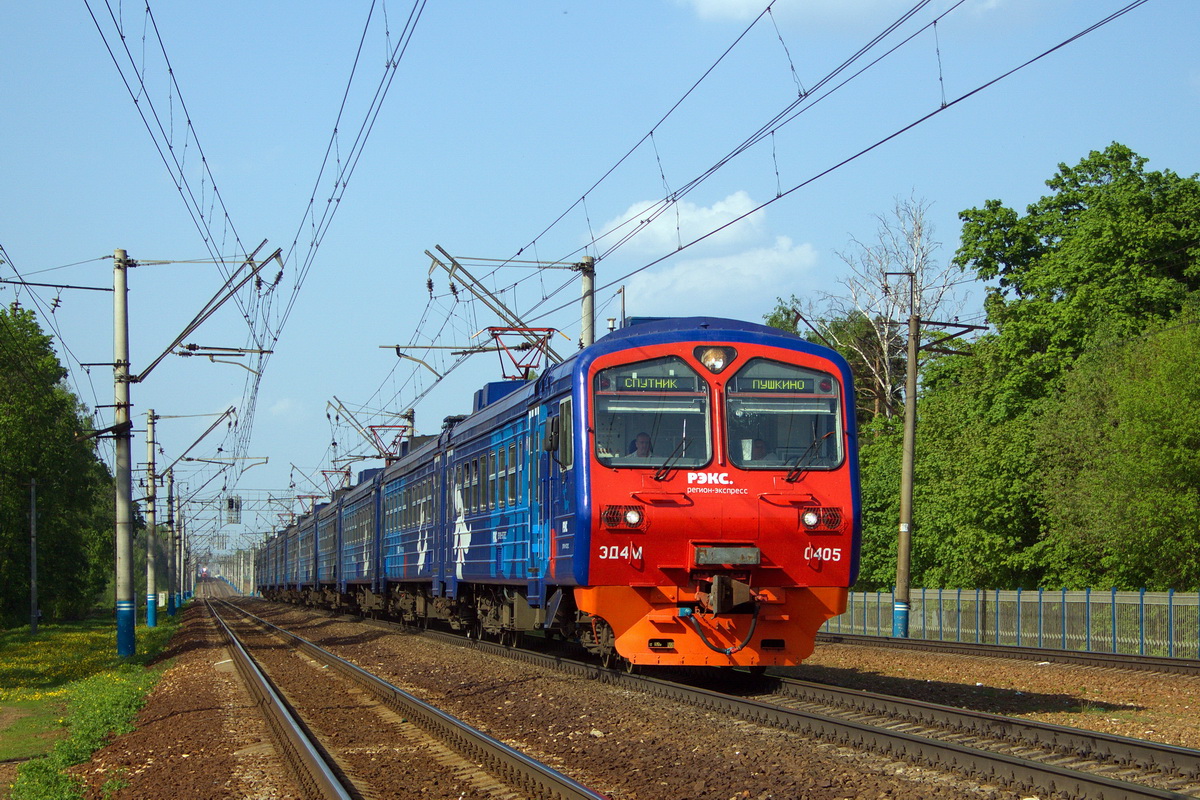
point(902, 602)
point(901, 606)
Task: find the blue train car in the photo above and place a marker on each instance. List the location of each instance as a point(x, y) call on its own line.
point(685, 491)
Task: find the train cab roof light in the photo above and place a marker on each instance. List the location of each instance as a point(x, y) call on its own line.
point(715, 359)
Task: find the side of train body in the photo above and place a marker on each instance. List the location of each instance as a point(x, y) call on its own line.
point(682, 492)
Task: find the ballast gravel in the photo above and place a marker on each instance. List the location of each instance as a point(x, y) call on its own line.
point(197, 736)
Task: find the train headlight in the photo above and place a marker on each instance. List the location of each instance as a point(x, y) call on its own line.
point(715, 359)
point(627, 517)
point(826, 518)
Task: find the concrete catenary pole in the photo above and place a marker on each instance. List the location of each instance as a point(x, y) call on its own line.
point(186, 579)
point(172, 574)
point(122, 434)
point(151, 528)
point(587, 328)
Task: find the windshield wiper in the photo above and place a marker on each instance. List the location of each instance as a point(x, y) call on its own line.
point(796, 472)
point(661, 473)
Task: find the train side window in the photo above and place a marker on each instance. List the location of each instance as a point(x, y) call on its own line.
point(512, 474)
point(502, 478)
point(455, 492)
point(565, 443)
point(473, 486)
point(484, 484)
point(495, 463)
point(492, 472)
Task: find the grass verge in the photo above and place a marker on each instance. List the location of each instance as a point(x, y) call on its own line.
point(71, 674)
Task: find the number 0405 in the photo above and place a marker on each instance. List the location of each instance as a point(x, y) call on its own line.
point(822, 553)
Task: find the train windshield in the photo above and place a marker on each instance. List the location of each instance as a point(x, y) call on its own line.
point(650, 413)
point(781, 416)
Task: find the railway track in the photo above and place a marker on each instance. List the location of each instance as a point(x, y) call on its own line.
point(1035, 757)
point(1174, 770)
point(1180, 666)
point(1030, 755)
point(487, 767)
point(309, 763)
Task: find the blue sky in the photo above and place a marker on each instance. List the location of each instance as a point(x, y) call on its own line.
point(514, 130)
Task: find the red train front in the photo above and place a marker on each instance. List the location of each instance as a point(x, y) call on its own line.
point(721, 499)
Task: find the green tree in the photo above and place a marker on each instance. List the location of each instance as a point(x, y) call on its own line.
point(1122, 452)
point(40, 423)
point(1111, 250)
point(880, 443)
point(1112, 247)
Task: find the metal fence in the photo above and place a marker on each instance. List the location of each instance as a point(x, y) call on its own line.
point(1108, 621)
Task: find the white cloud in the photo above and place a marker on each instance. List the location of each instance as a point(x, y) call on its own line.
point(684, 222)
point(831, 13)
point(724, 9)
point(740, 285)
point(811, 11)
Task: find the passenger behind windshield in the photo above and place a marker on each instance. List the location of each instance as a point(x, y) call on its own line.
point(782, 416)
point(649, 412)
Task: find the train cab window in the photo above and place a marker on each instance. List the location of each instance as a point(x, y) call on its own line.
point(781, 416)
point(651, 413)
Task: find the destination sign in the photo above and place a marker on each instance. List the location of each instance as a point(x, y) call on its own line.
point(774, 385)
point(633, 382)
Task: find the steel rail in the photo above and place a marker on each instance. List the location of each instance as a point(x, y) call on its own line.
point(1181, 666)
point(952, 756)
point(1061, 740)
point(309, 762)
point(509, 764)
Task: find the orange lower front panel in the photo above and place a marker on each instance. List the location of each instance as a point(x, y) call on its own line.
point(650, 631)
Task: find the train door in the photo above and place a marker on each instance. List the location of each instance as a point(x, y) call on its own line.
point(559, 482)
point(533, 459)
point(439, 540)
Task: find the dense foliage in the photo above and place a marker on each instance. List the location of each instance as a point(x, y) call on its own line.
point(40, 423)
point(1065, 449)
